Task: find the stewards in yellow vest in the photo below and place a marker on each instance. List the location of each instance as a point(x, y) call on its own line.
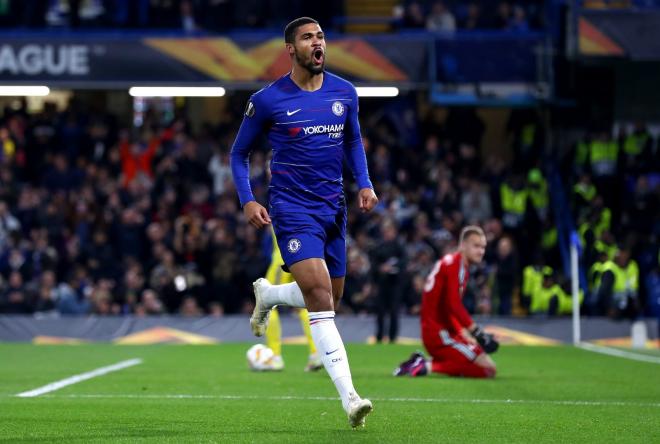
point(595, 272)
point(582, 154)
point(532, 281)
point(537, 188)
point(603, 156)
point(541, 298)
point(565, 302)
point(619, 285)
point(584, 192)
point(606, 246)
point(636, 147)
point(513, 197)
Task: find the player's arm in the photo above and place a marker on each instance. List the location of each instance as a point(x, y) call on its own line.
point(458, 311)
point(456, 307)
point(254, 120)
point(463, 331)
point(356, 158)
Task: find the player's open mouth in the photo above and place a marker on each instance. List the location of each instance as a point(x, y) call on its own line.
point(318, 56)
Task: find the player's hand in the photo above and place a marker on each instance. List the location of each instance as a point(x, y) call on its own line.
point(486, 340)
point(368, 199)
point(256, 214)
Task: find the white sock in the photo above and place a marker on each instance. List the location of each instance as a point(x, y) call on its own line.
point(331, 349)
point(284, 294)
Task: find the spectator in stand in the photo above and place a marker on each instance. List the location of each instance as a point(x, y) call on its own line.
point(8, 224)
point(503, 16)
point(440, 18)
point(220, 171)
point(474, 18)
point(506, 275)
point(518, 22)
point(475, 203)
point(389, 265)
point(409, 16)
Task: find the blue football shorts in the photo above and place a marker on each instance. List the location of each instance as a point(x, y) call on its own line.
point(303, 236)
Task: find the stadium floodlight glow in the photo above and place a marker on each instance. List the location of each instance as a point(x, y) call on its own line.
point(377, 91)
point(176, 91)
point(22, 90)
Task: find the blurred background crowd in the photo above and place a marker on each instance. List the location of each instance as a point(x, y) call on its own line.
point(98, 218)
point(106, 213)
point(226, 15)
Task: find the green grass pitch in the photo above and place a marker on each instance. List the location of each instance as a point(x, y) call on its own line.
point(206, 394)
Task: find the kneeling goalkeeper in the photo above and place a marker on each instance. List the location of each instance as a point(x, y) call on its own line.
point(456, 344)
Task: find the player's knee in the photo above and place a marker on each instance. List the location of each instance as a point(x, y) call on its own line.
point(490, 372)
point(319, 298)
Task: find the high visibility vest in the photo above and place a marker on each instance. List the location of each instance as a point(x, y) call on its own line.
point(595, 273)
point(541, 298)
point(603, 157)
point(634, 144)
point(582, 231)
point(514, 204)
point(632, 276)
point(527, 134)
point(533, 278)
point(626, 280)
point(539, 194)
point(610, 250)
point(585, 191)
point(581, 153)
point(549, 238)
point(604, 222)
point(566, 301)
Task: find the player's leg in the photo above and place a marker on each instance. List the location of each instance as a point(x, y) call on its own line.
point(335, 254)
point(274, 339)
point(457, 357)
point(462, 368)
point(277, 276)
point(327, 338)
point(314, 362)
point(486, 362)
point(415, 365)
point(295, 244)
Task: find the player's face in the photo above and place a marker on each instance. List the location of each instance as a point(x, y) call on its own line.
point(308, 48)
point(474, 248)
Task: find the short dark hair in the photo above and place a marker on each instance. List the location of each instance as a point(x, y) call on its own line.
point(291, 28)
point(469, 231)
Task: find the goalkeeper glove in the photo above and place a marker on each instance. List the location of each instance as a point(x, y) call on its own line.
point(486, 340)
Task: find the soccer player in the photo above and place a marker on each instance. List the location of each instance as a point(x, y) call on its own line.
point(456, 344)
point(311, 119)
point(277, 275)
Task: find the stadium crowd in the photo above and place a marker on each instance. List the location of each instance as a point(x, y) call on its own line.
point(97, 218)
point(225, 15)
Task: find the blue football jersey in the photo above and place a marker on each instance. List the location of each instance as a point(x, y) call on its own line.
point(310, 134)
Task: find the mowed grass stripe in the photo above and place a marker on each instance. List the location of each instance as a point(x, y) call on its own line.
point(79, 378)
point(576, 402)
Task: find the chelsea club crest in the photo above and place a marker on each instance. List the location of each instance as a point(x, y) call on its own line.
point(294, 245)
point(338, 108)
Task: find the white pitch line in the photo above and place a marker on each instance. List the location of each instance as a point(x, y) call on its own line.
point(329, 398)
point(79, 378)
point(619, 353)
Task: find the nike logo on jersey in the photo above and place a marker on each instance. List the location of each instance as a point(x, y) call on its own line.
point(291, 113)
point(329, 353)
